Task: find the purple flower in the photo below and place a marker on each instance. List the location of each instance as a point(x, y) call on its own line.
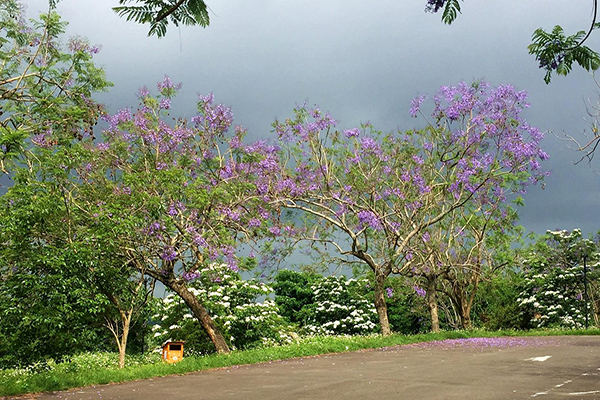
point(351, 132)
point(143, 92)
point(370, 145)
point(420, 291)
point(102, 146)
point(167, 84)
point(254, 223)
point(389, 292)
point(366, 217)
point(165, 104)
point(168, 254)
point(190, 276)
point(415, 105)
point(426, 236)
point(419, 160)
point(77, 43)
point(199, 241)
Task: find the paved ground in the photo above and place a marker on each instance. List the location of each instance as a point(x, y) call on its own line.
point(503, 368)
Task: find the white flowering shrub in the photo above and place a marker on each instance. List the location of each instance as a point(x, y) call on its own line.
point(341, 307)
point(233, 305)
point(553, 288)
point(553, 298)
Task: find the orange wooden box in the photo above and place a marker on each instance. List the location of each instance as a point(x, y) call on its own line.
point(172, 352)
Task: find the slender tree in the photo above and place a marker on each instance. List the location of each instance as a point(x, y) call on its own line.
point(366, 196)
point(174, 195)
point(45, 90)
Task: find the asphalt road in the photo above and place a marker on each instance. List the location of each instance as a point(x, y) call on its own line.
point(504, 368)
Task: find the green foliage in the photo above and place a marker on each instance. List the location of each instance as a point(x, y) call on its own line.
point(47, 312)
point(451, 11)
point(293, 292)
point(45, 91)
point(158, 13)
point(496, 306)
point(407, 311)
point(557, 52)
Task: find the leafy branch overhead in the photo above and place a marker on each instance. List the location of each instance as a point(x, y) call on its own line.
point(555, 51)
point(158, 13)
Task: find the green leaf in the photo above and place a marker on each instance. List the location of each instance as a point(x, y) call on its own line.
point(451, 11)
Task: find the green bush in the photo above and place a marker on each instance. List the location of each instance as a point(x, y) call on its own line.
point(294, 295)
point(45, 314)
point(496, 306)
point(407, 311)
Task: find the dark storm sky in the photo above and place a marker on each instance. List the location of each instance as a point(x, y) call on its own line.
point(361, 61)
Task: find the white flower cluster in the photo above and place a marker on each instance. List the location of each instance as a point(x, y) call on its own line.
point(554, 297)
point(341, 308)
point(234, 307)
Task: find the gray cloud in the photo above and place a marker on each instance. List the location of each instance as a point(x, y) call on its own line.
point(360, 61)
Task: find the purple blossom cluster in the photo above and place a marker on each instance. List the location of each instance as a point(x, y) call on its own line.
point(43, 140)
point(167, 87)
point(214, 120)
point(370, 219)
point(420, 291)
point(191, 275)
point(309, 123)
point(362, 178)
point(482, 343)
point(168, 254)
point(487, 122)
point(80, 44)
point(415, 105)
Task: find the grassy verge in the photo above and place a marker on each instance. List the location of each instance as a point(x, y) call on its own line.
point(94, 369)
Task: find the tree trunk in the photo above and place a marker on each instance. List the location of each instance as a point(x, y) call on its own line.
point(465, 315)
point(381, 306)
point(463, 307)
point(433, 304)
point(124, 336)
point(201, 315)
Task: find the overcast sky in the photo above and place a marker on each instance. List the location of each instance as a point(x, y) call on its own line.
point(361, 61)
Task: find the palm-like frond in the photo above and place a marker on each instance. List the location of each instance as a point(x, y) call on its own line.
point(557, 52)
point(451, 11)
point(159, 13)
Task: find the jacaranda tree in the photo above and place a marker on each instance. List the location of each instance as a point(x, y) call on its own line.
point(364, 196)
point(455, 255)
point(174, 195)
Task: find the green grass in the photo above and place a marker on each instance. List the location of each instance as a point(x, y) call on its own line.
point(101, 368)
